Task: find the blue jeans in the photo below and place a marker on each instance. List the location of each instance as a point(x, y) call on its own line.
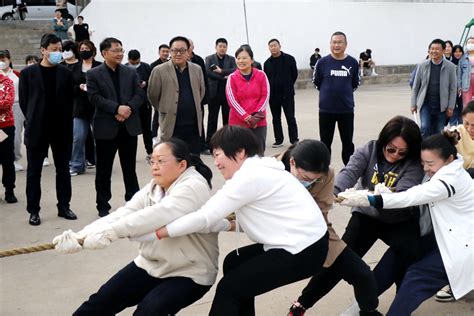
point(78, 156)
point(431, 124)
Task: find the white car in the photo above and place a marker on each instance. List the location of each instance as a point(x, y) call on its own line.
point(37, 9)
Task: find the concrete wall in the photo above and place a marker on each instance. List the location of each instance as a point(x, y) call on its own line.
point(397, 32)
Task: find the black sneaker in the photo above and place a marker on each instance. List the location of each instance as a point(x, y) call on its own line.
point(296, 309)
point(277, 145)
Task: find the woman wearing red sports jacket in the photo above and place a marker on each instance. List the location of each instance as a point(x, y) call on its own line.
point(247, 93)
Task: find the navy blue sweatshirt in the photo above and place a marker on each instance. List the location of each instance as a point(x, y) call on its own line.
point(336, 80)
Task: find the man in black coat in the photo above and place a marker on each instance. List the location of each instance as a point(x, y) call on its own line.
point(218, 66)
point(114, 91)
point(46, 96)
point(282, 74)
point(143, 72)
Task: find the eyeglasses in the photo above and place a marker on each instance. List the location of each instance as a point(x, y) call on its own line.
point(307, 179)
point(180, 50)
point(391, 150)
point(161, 162)
point(116, 51)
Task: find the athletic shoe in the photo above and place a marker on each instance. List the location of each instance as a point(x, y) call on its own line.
point(90, 165)
point(277, 145)
point(18, 167)
point(445, 295)
point(73, 173)
point(296, 309)
point(46, 162)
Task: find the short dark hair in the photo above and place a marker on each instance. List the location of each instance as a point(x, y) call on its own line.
point(339, 33)
point(273, 40)
point(58, 10)
point(449, 42)
point(80, 17)
point(163, 46)
point(221, 40)
point(48, 39)
point(180, 150)
point(180, 39)
point(89, 44)
point(71, 46)
point(368, 51)
point(133, 54)
point(438, 41)
point(469, 108)
point(244, 48)
point(456, 47)
point(317, 49)
point(400, 126)
point(31, 57)
point(310, 155)
point(107, 43)
point(232, 139)
point(5, 53)
point(444, 144)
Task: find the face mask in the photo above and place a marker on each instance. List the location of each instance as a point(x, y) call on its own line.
point(470, 47)
point(306, 184)
point(134, 66)
point(85, 54)
point(55, 57)
point(68, 54)
point(3, 65)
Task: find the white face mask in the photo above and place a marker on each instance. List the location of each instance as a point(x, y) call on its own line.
point(68, 54)
point(135, 66)
point(470, 47)
point(3, 65)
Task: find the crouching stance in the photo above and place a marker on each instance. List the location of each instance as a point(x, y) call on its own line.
point(272, 208)
point(169, 274)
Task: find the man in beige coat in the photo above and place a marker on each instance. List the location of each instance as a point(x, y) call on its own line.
point(175, 90)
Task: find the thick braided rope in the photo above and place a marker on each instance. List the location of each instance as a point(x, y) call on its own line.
point(25, 250)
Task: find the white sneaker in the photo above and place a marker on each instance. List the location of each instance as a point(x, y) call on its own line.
point(46, 162)
point(352, 309)
point(374, 73)
point(445, 295)
point(18, 167)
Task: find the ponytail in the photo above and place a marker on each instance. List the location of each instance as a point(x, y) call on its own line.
point(202, 168)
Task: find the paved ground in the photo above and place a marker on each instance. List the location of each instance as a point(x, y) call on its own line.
point(45, 284)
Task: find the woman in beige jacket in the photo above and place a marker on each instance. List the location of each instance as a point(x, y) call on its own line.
point(169, 274)
point(309, 161)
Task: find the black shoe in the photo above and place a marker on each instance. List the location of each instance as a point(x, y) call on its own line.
point(277, 145)
point(103, 213)
point(10, 197)
point(35, 219)
point(294, 141)
point(67, 214)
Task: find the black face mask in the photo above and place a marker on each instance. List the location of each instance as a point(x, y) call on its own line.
point(85, 54)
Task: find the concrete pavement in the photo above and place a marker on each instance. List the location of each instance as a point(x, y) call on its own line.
point(47, 283)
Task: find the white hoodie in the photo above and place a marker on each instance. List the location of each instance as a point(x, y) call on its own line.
point(270, 204)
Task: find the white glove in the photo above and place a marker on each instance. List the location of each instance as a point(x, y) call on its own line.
point(67, 242)
point(144, 238)
point(100, 238)
point(354, 197)
point(380, 188)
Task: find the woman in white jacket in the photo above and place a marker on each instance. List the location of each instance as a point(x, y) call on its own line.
point(272, 208)
point(167, 275)
point(448, 194)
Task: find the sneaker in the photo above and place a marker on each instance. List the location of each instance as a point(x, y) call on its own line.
point(46, 162)
point(277, 145)
point(445, 295)
point(374, 74)
point(18, 167)
point(296, 309)
point(73, 173)
point(90, 165)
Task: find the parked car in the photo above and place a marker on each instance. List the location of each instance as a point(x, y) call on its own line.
point(37, 9)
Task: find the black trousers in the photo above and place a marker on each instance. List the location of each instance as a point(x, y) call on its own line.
point(190, 135)
point(126, 146)
point(155, 124)
point(255, 271)
point(215, 104)
point(354, 271)
point(35, 156)
point(145, 120)
point(288, 105)
point(7, 158)
point(361, 233)
point(134, 286)
point(90, 146)
point(345, 125)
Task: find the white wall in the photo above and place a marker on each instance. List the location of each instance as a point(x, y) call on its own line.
point(397, 32)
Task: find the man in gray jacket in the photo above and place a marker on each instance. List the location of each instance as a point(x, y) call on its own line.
point(434, 90)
